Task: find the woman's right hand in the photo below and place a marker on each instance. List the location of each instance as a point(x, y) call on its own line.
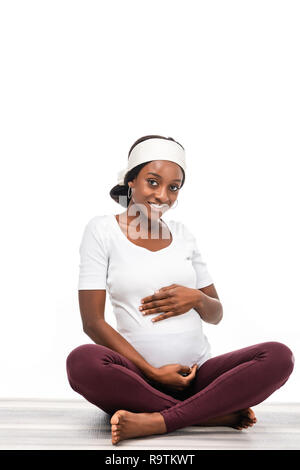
point(170, 376)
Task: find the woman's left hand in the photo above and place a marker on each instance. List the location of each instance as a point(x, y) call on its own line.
point(172, 300)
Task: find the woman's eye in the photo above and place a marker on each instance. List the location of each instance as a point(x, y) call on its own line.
point(152, 180)
point(173, 185)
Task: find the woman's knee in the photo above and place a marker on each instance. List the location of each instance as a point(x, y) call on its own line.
point(83, 357)
point(282, 357)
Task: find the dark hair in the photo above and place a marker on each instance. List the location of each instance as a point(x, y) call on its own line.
point(122, 190)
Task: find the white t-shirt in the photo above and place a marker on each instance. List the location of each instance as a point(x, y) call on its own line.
point(108, 260)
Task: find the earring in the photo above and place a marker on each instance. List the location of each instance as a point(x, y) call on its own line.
point(173, 207)
point(129, 195)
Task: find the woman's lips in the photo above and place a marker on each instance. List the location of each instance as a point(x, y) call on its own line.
point(162, 207)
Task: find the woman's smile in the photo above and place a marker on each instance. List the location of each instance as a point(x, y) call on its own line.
point(158, 207)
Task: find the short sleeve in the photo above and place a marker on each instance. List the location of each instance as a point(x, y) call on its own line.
point(93, 258)
point(204, 277)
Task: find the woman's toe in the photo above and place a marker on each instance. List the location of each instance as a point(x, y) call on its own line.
point(245, 423)
point(115, 438)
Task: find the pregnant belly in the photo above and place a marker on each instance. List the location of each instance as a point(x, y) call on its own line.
point(160, 348)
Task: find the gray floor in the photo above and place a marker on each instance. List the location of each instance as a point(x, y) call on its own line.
point(77, 424)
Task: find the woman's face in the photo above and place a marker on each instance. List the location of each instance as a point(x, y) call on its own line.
point(160, 188)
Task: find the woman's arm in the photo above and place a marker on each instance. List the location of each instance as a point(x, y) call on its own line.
point(209, 306)
point(92, 307)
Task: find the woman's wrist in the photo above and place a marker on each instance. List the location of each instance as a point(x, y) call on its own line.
point(198, 302)
point(151, 372)
point(209, 308)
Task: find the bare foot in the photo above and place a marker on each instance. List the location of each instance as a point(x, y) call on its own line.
point(125, 424)
point(238, 419)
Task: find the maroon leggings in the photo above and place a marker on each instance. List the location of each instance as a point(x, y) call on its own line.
point(223, 384)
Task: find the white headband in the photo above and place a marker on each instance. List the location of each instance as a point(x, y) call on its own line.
point(153, 149)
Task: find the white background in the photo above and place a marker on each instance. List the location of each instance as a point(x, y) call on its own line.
point(80, 82)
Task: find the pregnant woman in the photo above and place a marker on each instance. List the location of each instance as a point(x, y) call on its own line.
point(155, 372)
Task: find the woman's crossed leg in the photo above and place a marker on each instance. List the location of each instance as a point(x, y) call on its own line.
point(222, 392)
